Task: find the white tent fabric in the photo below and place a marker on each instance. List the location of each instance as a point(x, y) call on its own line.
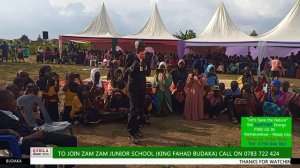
point(101, 27)
point(261, 49)
point(221, 31)
point(154, 29)
point(287, 32)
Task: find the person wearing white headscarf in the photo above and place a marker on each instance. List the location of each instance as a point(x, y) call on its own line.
point(162, 82)
point(94, 77)
point(97, 89)
point(179, 73)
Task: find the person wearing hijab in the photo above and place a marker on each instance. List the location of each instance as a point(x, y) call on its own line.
point(247, 104)
point(20, 83)
point(25, 76)
point(275, 95)
point(274, 101)
point(70, 89)
point(248, 77)
point(119, 102)
point(214, 102)
point(48, 83)
point(135, 77)
point(42, 80)
point(96, 89)
point(179, 73)
point(162, 82)
point(194, 103)
point(211, 76)
point(118, 82)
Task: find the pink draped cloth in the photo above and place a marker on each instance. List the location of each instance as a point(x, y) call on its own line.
point(194, 104)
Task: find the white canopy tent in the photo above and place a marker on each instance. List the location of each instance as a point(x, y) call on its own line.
point(101, 27)
point(221, 31)
point(287, 32)
point(100, 31)
point(155, 35)
point(154, 29)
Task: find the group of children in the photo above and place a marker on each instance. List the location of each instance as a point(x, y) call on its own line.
point(197, 95)
point(81, 101)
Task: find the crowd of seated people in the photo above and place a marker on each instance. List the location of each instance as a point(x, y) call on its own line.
point(235, 64)
point(15, 120)
point(79, 55)
point(191, 89)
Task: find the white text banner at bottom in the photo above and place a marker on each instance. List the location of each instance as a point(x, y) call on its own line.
point(51, 161)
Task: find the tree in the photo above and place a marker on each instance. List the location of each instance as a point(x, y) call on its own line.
point(39, 39)
point(189, 34)
point(24, 39)
point(253, 33)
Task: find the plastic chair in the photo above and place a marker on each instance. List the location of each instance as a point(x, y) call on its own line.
point(93, 61)
point(13, 145)
point(27, 100)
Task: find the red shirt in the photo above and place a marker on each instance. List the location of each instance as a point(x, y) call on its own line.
point(213, 99)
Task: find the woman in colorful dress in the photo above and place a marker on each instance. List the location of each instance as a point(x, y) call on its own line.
point(194, 106)
point(26, 51)
point(162, 82)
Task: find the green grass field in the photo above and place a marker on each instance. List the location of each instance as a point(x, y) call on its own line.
point(8, 72)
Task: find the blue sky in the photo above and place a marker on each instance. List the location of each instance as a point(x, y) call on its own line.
point(31, 17)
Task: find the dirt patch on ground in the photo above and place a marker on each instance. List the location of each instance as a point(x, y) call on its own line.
point(172, 131)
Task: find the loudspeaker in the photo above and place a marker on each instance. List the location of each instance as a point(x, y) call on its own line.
point(45, 35)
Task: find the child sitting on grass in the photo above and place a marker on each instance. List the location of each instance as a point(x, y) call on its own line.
point(214, 102)
point(211, 77)
point(70, 89)
point(247, 104)
point(119, 102)
point(96, 89)
point(79, 104)
point(48, 83)
point(117, 82)
point(230, 96)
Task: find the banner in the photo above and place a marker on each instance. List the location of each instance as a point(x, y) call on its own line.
point(264, 140)
point(266, 132)
point(160, 155)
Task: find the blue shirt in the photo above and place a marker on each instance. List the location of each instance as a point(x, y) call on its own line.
point(212, 81)
point(4, 49)
point(229, 92)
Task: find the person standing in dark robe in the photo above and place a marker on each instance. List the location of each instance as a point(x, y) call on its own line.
point(180, 73)
point(135, 77)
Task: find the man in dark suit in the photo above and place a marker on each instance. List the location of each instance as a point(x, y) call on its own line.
point(135, 77)
point(11, 118)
